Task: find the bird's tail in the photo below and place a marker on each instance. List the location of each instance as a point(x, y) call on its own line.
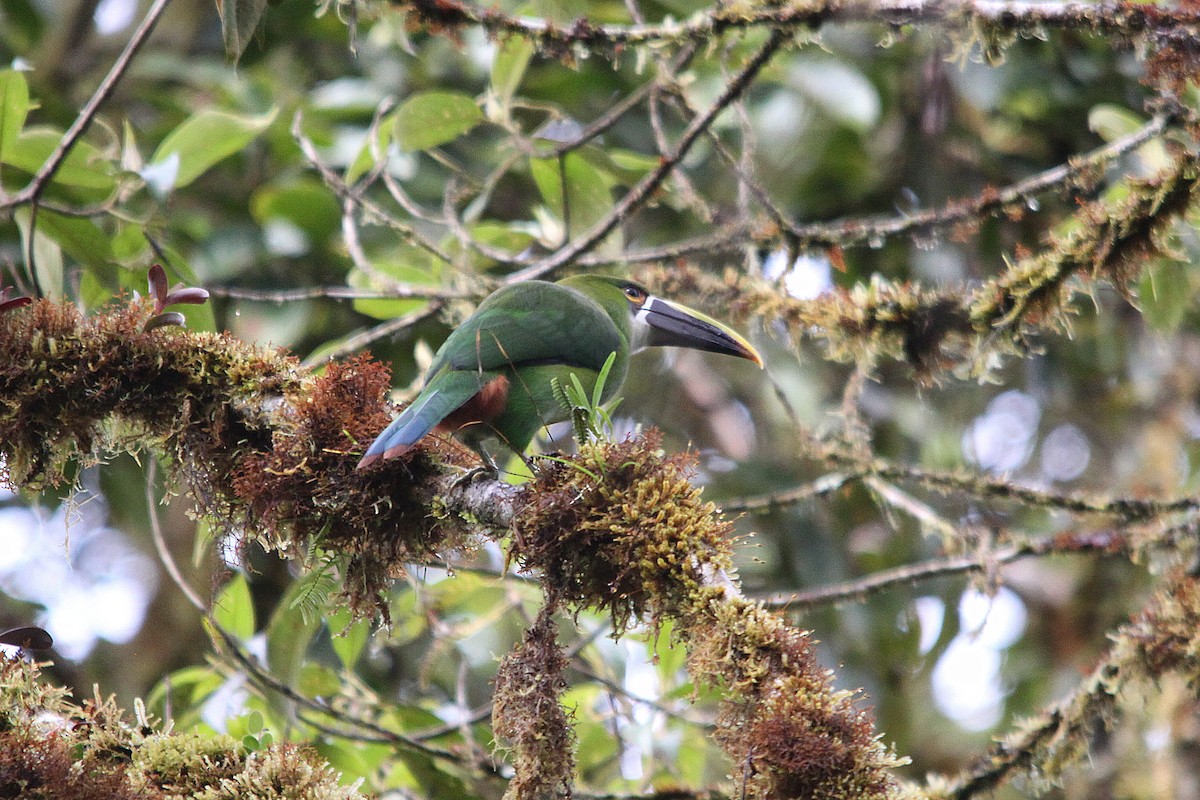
point(438, 400)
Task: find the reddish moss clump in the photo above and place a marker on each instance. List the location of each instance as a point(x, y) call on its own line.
point(262, 447)
point(1167, 633)
point(789, 733)
point(43, 765)
point(305, 486)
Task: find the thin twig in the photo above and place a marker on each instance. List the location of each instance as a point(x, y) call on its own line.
point(633, 199)
point(856, 231)
point(767, 503)
point(392, 326)
point(83, 121)
point(860, 589)
point(160, 542)
point(399, 291)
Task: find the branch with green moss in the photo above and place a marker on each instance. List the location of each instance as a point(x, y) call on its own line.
point(1164, 638)
point(943, 332)
point(991, 24)
point(51, 748)
point(270, 450)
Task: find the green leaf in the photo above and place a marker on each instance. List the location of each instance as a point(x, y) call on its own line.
point(234, 608)
point(239, 20)
point(1112, 122)
point(310, 595)
point(14, 108)
point(79, 237)
point(46, 254)
point(432, 118)
point(588, 199)
point(508, 69)
point(318, 680)
point(406, 264)
point(206, 138)
point(347, 636)
point(304, 202)
point(510, 238)
point(84, 166)
point(366, 158)
point(288, 635)
point(189, 688)
point(1165, 294)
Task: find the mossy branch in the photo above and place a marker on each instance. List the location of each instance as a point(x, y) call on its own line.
point(53, 748)
point(990, 23)
point(946, 332)
point(271, 450)
point(1164, 638)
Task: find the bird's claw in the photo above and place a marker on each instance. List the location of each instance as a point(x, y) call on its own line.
point(487, 470)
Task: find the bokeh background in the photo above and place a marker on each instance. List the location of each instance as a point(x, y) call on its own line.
point(863, 120)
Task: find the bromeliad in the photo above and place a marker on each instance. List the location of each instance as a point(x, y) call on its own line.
point(493, 375)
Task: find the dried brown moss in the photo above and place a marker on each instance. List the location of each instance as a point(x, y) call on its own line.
point(1167, 634)
point(789, 733)
point(306, 488)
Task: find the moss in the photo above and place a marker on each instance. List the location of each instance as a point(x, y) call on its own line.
point(305, 486)
point(263, 447)
point(790, 733)
point(282, 772)
point(955, 330)
point(619, 527)
point(1166, 636)
point(51, 749)
point(67, 377)
point(529, 717)
point(182, 765)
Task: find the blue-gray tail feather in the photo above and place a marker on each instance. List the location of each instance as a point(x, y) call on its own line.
point(437, 400)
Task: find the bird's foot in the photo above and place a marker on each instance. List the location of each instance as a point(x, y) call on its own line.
point(486, 470)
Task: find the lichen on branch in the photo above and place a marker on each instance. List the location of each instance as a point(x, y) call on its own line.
point(941, 332)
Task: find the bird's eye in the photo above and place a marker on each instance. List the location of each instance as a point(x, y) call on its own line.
point(635, 294)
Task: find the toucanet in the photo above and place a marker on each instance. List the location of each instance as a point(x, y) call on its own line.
point(492, 376)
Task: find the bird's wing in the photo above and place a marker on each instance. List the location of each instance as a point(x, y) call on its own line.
point(530, 323)
point(526, 324)
point(444, 393)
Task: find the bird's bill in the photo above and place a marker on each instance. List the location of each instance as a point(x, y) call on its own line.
point(674, 325)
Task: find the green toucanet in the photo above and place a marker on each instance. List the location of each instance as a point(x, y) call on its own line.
point(492, 376)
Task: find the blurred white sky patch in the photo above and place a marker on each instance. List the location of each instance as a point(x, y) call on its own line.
point(808, 276)
point(931, 615)
point(1002, 438)
point(90, 580)
point(283, 237)
point(1065, 453)
point(838, 89)
point(114, 16)
point(967, 686)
